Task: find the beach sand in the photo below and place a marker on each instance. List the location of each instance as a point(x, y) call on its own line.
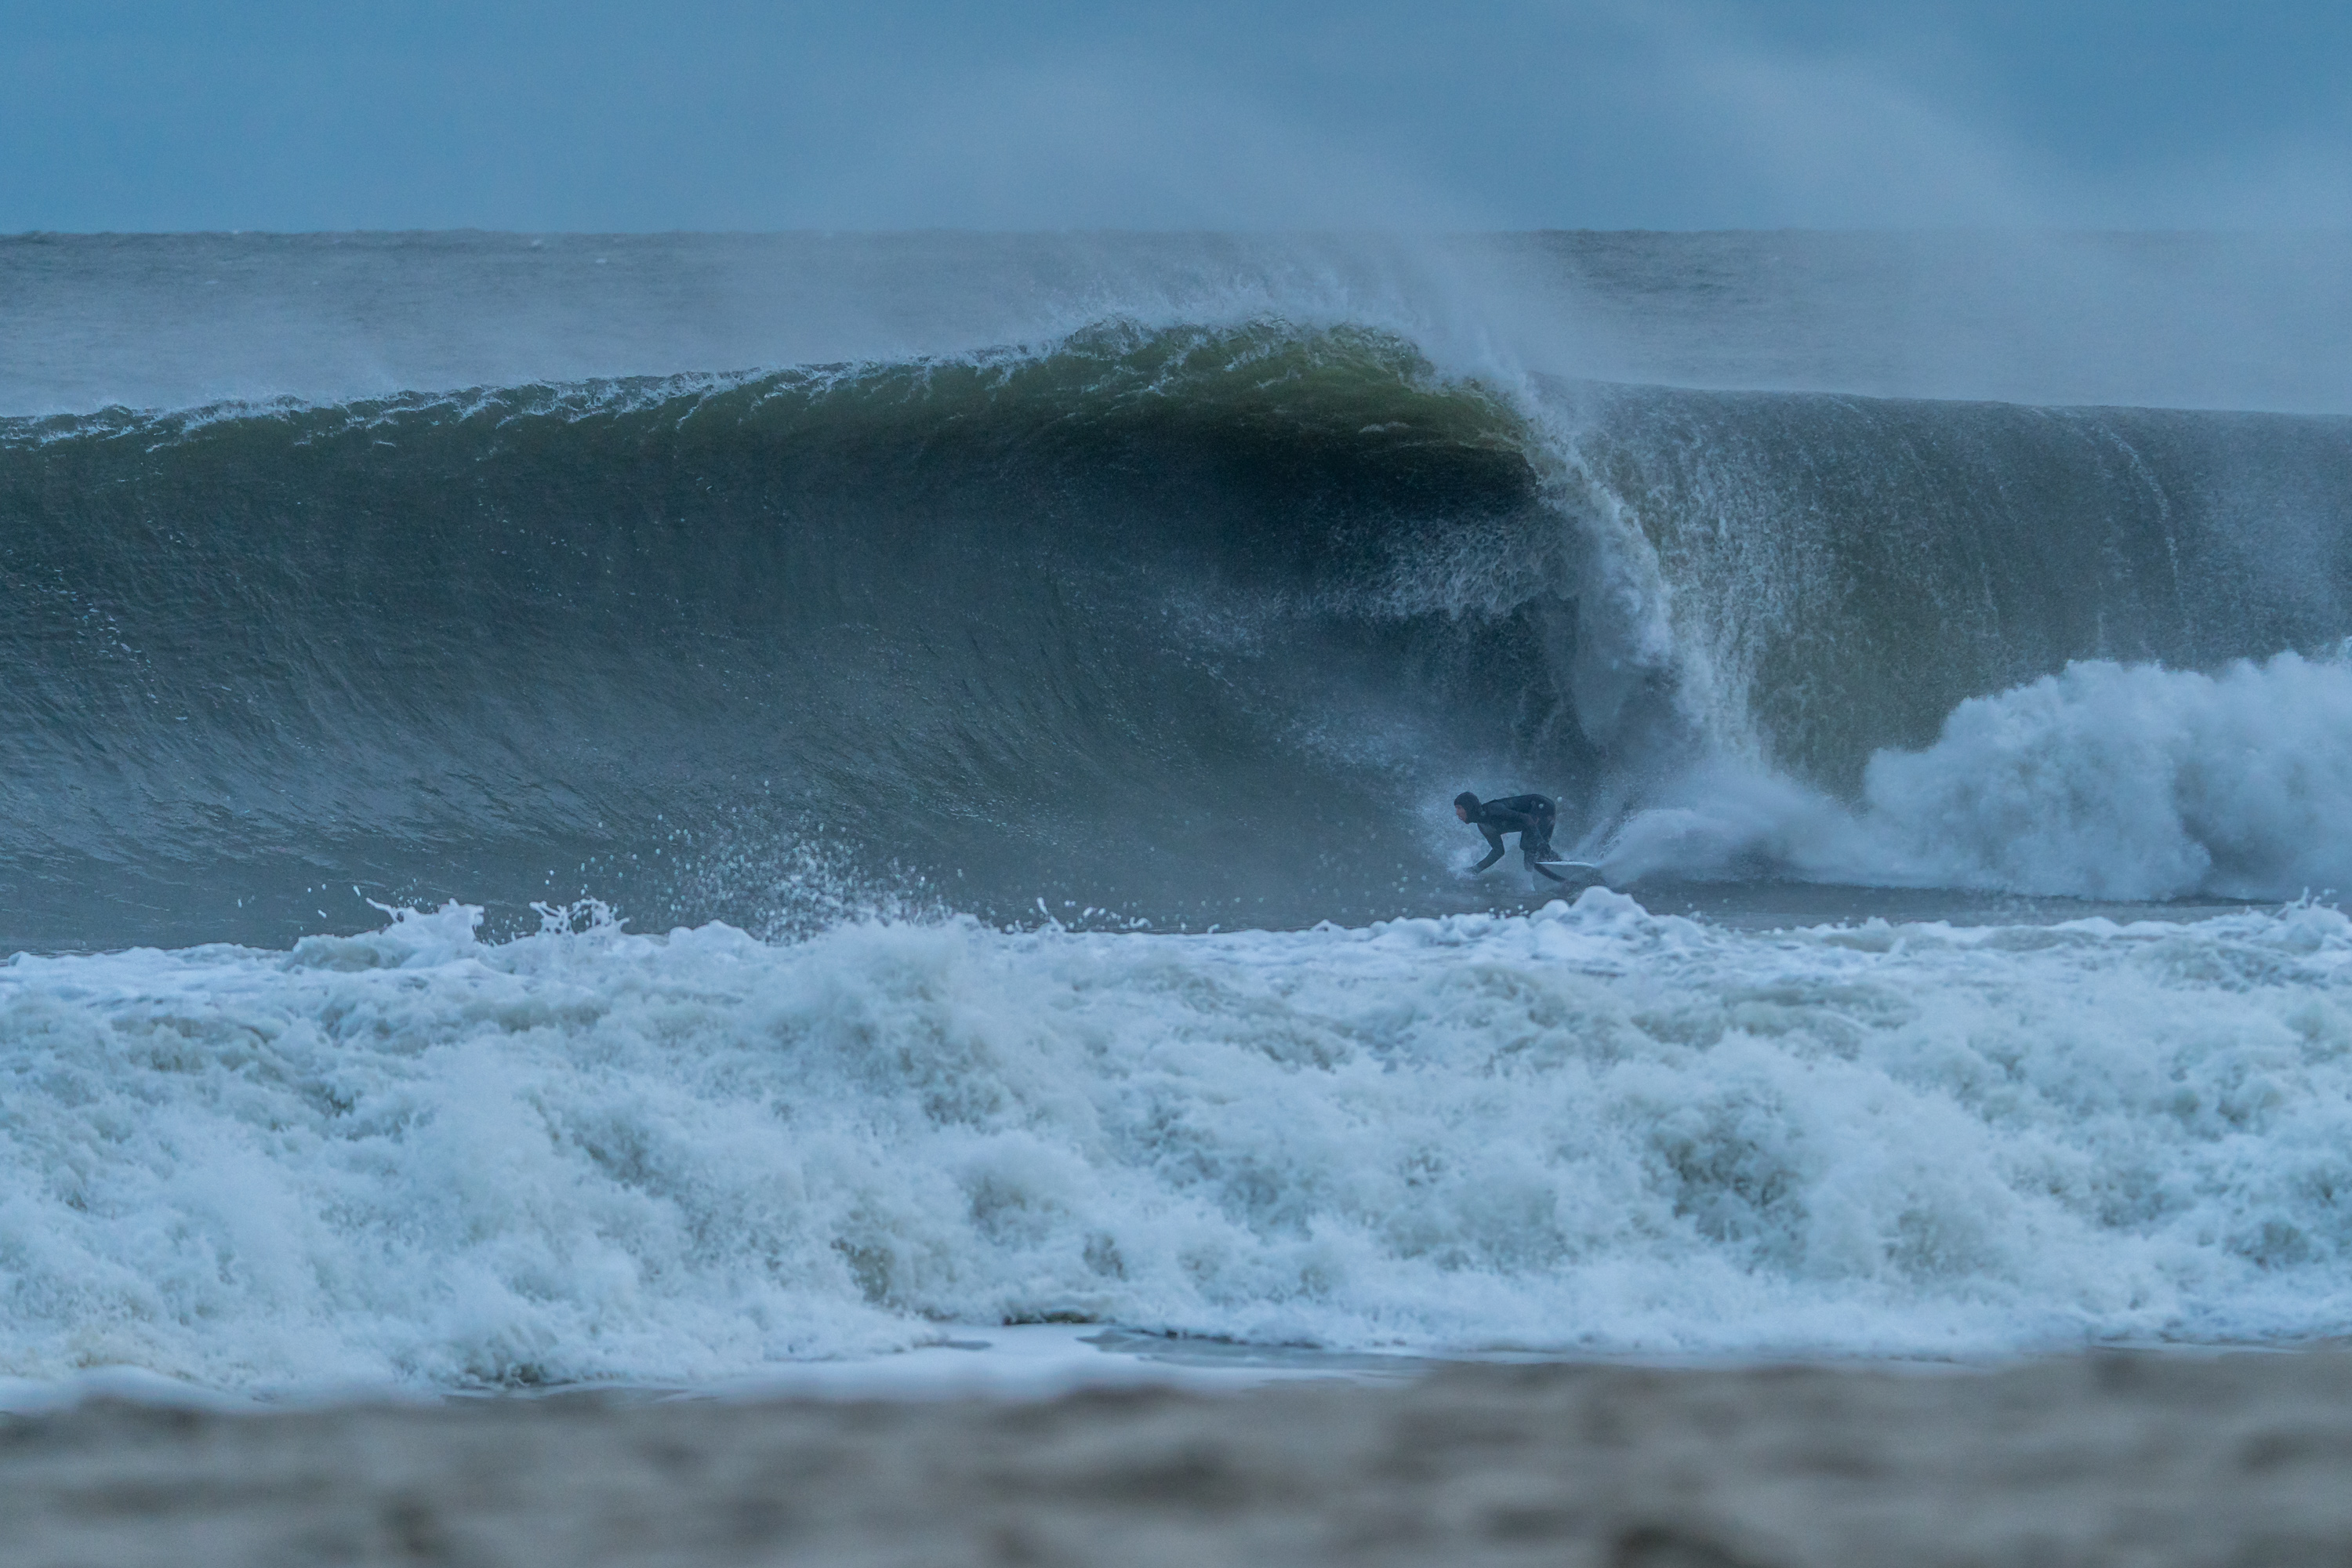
point(2108, 1459)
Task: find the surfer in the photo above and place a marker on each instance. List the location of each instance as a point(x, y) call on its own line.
point(1529, 815)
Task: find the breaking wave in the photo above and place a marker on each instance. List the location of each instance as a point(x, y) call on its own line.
point(1184, 626)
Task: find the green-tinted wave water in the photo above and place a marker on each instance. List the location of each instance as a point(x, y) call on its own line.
point(1186, 625)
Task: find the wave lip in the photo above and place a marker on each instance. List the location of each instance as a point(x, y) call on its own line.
point(414, 1157)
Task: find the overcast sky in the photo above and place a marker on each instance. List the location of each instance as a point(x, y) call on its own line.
point(714, 114)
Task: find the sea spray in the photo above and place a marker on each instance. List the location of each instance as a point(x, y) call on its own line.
point(2104, 781)
point(2135, 782)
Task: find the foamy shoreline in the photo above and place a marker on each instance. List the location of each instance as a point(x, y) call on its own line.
point(2156, 1459)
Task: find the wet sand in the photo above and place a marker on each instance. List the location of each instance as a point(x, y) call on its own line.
point(2243, 1460)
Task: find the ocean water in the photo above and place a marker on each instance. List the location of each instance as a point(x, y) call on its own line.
point(666, 810)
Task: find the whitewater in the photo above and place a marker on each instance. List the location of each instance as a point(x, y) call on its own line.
point(654, 810)
point(408, 1155)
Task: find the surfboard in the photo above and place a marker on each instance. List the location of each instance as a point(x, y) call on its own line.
point(1582, 868)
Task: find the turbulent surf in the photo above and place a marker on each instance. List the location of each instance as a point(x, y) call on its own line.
point(939, 701)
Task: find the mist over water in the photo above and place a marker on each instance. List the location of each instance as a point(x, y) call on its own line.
point(928, 632)
point(2254, 322)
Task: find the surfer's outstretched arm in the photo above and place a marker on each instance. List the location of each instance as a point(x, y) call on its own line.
point(1494, 849)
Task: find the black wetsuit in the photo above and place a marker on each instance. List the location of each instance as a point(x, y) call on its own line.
point(1529, 815)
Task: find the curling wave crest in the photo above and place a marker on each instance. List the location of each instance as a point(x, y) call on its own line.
point(413, 1156)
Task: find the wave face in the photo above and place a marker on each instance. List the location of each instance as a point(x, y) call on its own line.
point(1185, 625)
point(411, 1156)
point(1083, 624)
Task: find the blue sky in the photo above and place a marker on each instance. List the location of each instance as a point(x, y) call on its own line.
point(591, 115)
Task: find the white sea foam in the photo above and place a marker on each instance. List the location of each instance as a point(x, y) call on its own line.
point(2136, 781)
point(2106, 780)
point(413, 1157)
